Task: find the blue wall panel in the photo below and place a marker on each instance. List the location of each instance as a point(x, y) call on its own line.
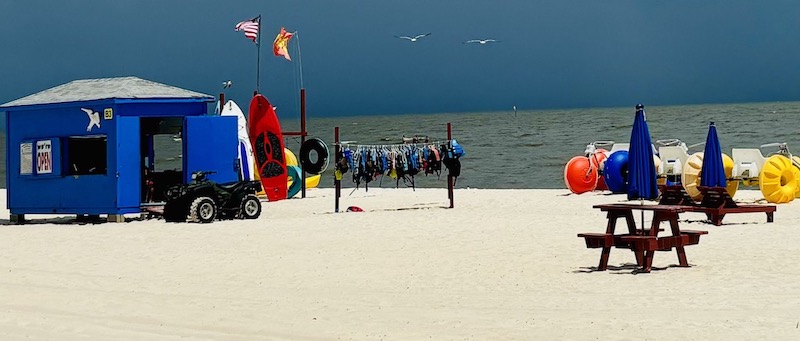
point(129, 163)
point(210, 144)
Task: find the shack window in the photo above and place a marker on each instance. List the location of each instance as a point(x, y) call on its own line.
point(168, 152)
point(87, 155)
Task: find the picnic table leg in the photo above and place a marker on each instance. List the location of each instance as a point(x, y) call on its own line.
point(646, 256)
point(631, 223)
point(676, 231)
point(610, 227)
point(648, 261)
point(769, 217)
point(715, 218)
point(612, 220)
point(604, 259)
point(719, 222)
point(639, 254)
point(640, 257)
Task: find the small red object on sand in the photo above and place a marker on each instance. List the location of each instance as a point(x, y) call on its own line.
point(354, 209)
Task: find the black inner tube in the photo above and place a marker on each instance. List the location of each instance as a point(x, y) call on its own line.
point(318, 146)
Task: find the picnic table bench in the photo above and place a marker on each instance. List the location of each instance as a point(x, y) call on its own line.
point(643, 242)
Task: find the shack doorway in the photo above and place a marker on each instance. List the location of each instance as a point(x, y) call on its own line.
point(161, 156)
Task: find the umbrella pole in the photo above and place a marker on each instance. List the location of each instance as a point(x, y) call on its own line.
point(641, 203)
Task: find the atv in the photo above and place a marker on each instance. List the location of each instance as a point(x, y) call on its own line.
point(203, 200)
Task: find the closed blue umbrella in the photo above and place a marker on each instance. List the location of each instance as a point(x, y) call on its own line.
point(642, 181)
point(712, 174)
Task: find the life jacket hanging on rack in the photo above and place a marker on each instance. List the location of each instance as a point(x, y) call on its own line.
point(433, 163)
point(458, 151)
point(451, 157)
point(342, 166)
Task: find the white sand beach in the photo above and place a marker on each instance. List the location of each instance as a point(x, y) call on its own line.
point(501, 265)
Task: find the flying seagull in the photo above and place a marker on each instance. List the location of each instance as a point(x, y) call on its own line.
point(481, 41)
point(226, 84)
point(415, 38)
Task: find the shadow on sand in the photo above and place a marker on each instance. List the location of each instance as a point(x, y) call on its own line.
point(66, 220)
point(625, 269)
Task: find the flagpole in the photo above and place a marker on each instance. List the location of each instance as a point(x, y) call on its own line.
point(302, 110)
point(299, 59)
point(258, 62)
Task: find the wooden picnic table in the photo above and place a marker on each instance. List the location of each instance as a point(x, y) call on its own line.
point(716, 203)
point(643, 242)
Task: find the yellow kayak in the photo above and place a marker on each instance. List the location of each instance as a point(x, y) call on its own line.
point(311, 181)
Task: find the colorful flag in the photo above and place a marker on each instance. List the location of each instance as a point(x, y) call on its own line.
point(250, 28)
point(281, 41)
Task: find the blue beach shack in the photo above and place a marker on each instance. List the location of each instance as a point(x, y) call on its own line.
point(109, 146)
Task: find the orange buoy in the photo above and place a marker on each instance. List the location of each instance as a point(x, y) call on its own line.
point(580, 175)
point(597, 159)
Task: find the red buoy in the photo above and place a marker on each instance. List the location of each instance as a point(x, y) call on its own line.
point(580, 175)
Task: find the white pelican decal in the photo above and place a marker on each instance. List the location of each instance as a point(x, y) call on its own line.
point(94, 118)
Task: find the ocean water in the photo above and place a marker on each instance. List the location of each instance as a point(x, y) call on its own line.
point(531, 148)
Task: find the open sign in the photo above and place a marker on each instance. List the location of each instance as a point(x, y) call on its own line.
point(44, 157)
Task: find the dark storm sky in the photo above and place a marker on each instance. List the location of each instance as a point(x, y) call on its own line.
point(553, 54)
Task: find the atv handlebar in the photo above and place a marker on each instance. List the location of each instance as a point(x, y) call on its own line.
point(201, 175)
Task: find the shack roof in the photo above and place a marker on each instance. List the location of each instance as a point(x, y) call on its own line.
point(107, 88)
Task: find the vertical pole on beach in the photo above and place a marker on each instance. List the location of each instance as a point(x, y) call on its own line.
point(258, 62)
point(303, 138)
point(449, 177)
point(303, 132)
point(336, 182)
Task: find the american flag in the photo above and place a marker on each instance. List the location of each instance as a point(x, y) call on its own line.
point(250, 28)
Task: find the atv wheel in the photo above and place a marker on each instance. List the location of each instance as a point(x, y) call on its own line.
point(203, 210)
point(250, 208)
